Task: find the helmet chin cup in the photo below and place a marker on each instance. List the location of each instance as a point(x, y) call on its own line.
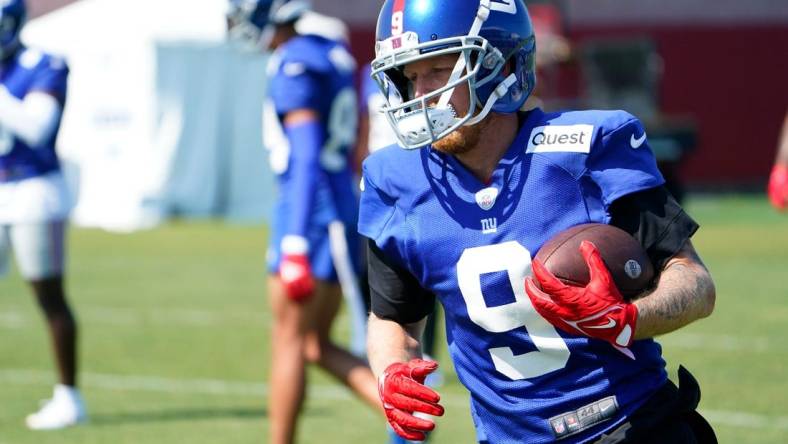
point(420, 127)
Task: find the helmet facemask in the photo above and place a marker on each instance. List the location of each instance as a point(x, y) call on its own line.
point(500, 36)
point(420, 121)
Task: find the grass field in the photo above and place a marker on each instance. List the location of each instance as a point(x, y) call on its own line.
point(174, 347)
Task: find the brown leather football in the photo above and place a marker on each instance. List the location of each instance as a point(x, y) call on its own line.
point(626, 259)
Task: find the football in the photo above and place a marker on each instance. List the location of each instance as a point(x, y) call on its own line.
point(626, 259)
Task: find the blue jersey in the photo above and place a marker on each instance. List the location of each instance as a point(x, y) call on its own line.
point(369, 88)
point(26, 72)
point(311, 72)
point(315, 73)
point(471, 244)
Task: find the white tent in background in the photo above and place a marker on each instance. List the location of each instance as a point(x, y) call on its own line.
point(162, 117)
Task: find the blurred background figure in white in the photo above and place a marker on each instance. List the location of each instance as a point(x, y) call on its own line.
point(34, 202)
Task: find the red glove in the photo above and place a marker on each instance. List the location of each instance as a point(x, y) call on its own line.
point(402, 390)
point(597, 310)
point(296, 276)
point(778, 187)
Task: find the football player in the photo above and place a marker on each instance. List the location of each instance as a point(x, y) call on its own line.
point(461, 212)
point(778, 180)
point(34, 202)
point(375, 133)
point(310, 129)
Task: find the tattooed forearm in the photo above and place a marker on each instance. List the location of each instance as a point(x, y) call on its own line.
point(683, 286)
point(684, 293)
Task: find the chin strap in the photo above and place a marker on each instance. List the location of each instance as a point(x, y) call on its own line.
point(501, 90)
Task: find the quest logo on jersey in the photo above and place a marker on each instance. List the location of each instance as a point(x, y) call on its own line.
point(561, 138)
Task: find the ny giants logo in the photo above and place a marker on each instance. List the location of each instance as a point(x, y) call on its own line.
point(397, 18)
point(489, 225)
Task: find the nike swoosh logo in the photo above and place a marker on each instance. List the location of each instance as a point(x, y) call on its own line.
point(636, 143)
point(610, 324)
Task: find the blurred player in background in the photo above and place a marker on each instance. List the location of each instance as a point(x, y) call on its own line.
point(310, 124)
point(34, 202)
point(778, 180)
point(244, 33)
point(460, 213)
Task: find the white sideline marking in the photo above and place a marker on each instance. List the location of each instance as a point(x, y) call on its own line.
point(11, 320)
point(746, 420)
point(167, 385)
point(135, 317)
point(325, 392)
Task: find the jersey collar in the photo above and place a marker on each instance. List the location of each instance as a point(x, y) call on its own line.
point(499, 177)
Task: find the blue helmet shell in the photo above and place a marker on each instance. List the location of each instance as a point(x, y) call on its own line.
point(508, 29)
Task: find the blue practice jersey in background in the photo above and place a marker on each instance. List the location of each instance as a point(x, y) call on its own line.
point(314, 73)
point(471, 243)
point(25, 72)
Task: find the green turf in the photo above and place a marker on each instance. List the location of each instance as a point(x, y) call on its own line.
point(174, 339)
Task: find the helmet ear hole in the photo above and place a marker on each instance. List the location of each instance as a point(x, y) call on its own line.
point(510, 66)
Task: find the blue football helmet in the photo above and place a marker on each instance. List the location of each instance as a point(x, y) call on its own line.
point(487, 35)
point(12, 18)
point(251, 20)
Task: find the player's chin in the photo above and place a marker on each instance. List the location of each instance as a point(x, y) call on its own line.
point(460, 141)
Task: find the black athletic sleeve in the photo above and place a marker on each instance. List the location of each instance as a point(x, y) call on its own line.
point(395, 294)
point(656, 220)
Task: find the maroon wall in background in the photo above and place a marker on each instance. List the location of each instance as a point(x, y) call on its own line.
point(36, 8)
point(732, 78)
point(362, 42)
